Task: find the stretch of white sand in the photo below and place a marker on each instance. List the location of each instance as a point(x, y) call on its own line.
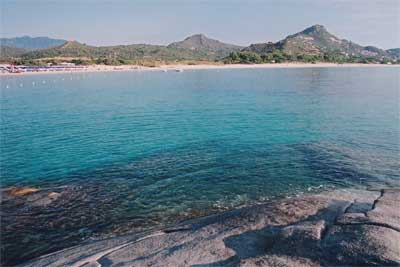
point(104, 68)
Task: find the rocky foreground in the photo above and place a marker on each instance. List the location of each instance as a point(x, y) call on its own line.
point(339, 228)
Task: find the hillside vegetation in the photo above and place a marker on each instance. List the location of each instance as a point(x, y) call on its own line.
point(206, 47)
point(310, 45)
point(112, 54)
point(8, 53)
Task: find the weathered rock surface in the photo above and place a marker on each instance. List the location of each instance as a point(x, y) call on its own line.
point(339, 228)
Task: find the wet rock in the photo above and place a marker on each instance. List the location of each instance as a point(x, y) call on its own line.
point(42, 198)
point(21, 191)
point(53, 195)
point(29, 196)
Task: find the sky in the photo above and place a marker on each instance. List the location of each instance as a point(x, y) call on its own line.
point(100, 22)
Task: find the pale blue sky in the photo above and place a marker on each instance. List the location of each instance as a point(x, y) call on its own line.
point(99, 22)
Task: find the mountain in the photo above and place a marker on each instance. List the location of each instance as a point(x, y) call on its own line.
point(73, 49)
point(67, 49)
point(197, 47)
point(312, 44)
point(317, 41)
point(31, 43)
point(7, 52)
point(394, 52)
point(261, 48)
point(205, 46)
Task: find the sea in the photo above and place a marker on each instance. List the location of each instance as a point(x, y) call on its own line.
point(139, 150)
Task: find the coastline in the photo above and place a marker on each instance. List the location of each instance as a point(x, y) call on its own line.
point(334, 228)
point(182, 67)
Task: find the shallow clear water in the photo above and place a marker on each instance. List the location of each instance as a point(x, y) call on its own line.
point(132, 150)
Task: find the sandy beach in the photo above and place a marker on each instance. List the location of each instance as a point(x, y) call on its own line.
point(181, 67)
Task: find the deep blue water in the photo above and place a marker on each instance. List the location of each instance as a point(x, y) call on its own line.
point(140, 149)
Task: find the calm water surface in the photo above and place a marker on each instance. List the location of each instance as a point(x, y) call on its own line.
point(130, 151)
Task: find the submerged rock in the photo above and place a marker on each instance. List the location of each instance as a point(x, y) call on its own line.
point(21, 191)
point(339, 228)
point(53, 195)
point(29, 196)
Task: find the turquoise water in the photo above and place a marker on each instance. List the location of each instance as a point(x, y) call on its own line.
point(135, 150)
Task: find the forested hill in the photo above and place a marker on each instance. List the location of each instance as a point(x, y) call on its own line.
point(312, 44)
point(197, 47)
point(199, 43)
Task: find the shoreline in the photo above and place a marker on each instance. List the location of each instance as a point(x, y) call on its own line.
point(182, 67)
point(333, 228)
